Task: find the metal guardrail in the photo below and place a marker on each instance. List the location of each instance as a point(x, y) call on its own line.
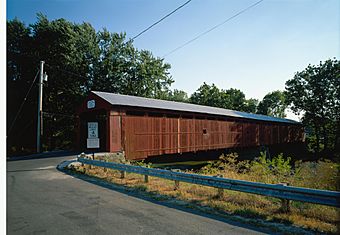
point(286, 193)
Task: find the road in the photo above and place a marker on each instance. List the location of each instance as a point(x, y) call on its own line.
point(43, 200)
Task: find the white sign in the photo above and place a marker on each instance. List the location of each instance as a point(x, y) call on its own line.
point(91, 104)
point(93, 143)
point(92, 130)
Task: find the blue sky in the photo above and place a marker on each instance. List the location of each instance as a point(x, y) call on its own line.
point(255, 52)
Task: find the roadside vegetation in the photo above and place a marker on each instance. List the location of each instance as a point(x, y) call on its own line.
point(322, 174)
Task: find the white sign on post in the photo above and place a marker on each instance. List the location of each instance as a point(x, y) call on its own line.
point(92, 130)
point(92, 134)
point(93, 143)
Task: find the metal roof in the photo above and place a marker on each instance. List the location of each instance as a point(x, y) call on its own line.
point(135, 101)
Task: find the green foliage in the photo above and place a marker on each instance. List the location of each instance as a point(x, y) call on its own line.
point(261, 169)
point(315, 93)
point(229, 99)
point(123, 69)
point(177, 95)
point(20, 72)
point(207, 95)
point(275, 170)
point(281, 166)
point(226, 163)
point(141, 163)
point(77, 60)
point(236, 99)
point(273, 104)
point(251, 105)
point(210, 169)
point(322, 174)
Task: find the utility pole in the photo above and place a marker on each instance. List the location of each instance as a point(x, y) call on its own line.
point(40, 99)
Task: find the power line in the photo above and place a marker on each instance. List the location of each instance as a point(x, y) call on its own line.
point(22, 104)
point(211, 29)
point(160, 20)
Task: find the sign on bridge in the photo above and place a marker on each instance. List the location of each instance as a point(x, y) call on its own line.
point(92, 135)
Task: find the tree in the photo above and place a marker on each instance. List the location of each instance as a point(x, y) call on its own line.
point(228, 99)
point(208, 95)
point(77, 59)
point(20, 73)
point(234, 99)
point(315, 93)
point(251, 105)
point(123, 69)
point(273, 104)
point(177, 95)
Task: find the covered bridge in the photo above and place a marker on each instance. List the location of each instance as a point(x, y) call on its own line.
point(143, 127)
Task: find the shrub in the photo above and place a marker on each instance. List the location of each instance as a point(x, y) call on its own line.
point(141, 163)
point(209, 169)
point(322, 174)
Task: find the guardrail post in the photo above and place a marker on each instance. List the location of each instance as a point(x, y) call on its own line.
point(92, 158)
point(285, 203)
point(176, 184)
point(105, 169)
point(146, 178)
point(176, 181)
point(220, 191)
point(122, 174)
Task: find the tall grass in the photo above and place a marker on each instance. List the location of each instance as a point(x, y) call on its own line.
point(322, 174)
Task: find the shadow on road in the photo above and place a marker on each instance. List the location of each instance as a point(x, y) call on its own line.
point(61, 153)
point(30, 170)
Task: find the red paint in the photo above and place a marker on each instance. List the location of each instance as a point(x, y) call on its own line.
point(149, 132)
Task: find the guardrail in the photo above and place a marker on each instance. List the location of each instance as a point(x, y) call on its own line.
point(285, 193)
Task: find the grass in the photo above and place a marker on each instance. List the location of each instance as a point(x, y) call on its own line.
point(322, 175)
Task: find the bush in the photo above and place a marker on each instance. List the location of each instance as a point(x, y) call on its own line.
point(323, 174)
point(141, 163)
point(276, 170)
point(226, 163)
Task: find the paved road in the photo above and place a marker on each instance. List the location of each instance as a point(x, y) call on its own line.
point(43, 200)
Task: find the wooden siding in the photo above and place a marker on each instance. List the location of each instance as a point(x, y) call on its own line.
point(114, 142)
point(145, 136)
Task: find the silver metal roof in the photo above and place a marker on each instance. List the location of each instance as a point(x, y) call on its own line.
point(135, 101)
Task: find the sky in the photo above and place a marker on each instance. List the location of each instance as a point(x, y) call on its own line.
point(256, 52)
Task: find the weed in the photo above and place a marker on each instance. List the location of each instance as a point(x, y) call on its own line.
point(248, 213)
point(141, 187)
point(141, 163)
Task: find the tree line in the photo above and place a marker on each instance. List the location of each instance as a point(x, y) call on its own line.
point(79, 59)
